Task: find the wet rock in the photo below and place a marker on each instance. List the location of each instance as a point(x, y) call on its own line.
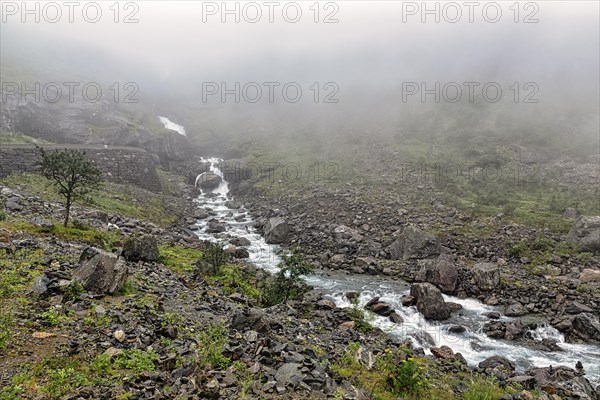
point(486, 276)
point(326, 304)
point(241, 253)
point(563, 381)
point(443, 352)
point(497, 362)
point(396, 318)
point(515, 310)
point(414, 243)
point(276, 230)
point(442, 273)
point(101, 272)
point(209, 180)
point(457, 329)
point(587, 326)
point(429, 301)
point(381, 308)
point(585, 233)
point(492, 315)
point(240, 241)
point(215, 227)
point(140, 248)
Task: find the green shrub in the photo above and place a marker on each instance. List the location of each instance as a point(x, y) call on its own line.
point(211, 343)
point(136, 360)
point(358, 316)
point(62, 381)
point(213, 259)
point(287, 283)
point(404, 376)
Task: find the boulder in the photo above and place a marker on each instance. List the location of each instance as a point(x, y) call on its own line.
point(443, 352)
point(414, 243)
point(101, 272)
point(288, 374)
point(585, 233)
point(497, 362)
point(515, 310)
point(208, 181)
point(564, 382)
point(344, 233)
point(486, 276)
point(442, 273)
point(140, 248)
point(589, 275)
point(587, 326)
point(429, 301)
point(240, 241)
point(215, 227)
point(577, 308)
point(250, 319)
point(276, 230)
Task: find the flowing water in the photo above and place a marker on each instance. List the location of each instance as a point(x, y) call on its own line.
point(172, 125)
point(474, 345)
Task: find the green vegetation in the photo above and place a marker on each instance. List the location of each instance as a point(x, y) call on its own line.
point(108, 240)
point(287, 283)
point(237, 280)
point(213, 260)
point(71, 172)
point(211, 343)
point(357, 314)
point(541, 251)
point(18, 271)
point(18, 138)
point(179, 259)
point(2, 212)
point(53, 317)
point(483, 389)
point(112, 197)
point(391, 376)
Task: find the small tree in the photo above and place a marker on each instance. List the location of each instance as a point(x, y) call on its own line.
point(288, 283)
point(73, 174)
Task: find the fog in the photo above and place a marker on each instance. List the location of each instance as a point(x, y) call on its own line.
point(369, 56)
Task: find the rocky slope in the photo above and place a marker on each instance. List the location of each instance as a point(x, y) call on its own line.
point(133, 319)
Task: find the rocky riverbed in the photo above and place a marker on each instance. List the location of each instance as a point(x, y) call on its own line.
point(120, 313)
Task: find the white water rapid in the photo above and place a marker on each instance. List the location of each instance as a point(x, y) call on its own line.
point(474, 345)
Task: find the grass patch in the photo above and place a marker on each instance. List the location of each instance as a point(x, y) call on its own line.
point(126, 200)
point(179, 259)
point(108, 240)
point(211, 343)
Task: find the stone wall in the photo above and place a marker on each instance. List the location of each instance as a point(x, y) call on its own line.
point(128, 165)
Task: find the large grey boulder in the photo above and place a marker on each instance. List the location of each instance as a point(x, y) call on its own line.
point(441, 272)
point(587, 326)
point(497, 362)
point(140, 248)
point(486, 276)
point(276, 230)
point(429, 301)
point(413, 242)
point(586, 234)
point(101, 272)
point(209, 180)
